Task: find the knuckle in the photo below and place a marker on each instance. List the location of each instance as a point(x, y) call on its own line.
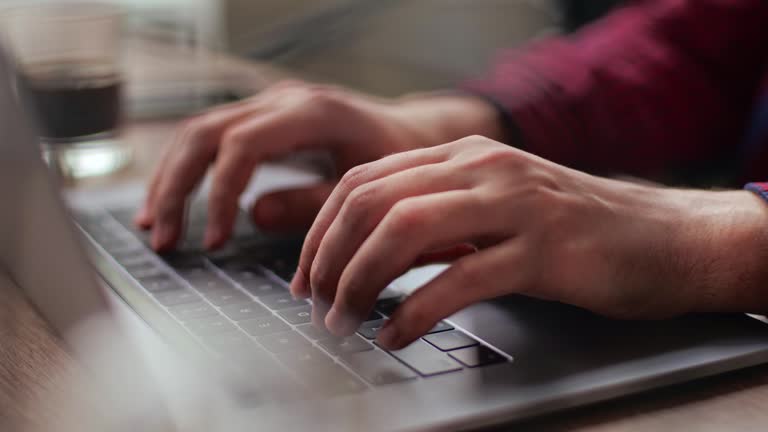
point(353, 178)
point(318, 276)
point(198, 127)
point(320, 95)
point(464, 273)
point(473, 141)
point(362, 197)
point(502, 158)
point(235, 137)
point(546, 182)
point(406, 216)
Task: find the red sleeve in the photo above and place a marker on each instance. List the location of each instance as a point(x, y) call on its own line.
point(654, 85)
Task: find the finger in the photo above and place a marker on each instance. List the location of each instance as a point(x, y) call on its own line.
point(291, 209)
point(197, 148)
point(244, 147)
point(207, 127)
point(363, 209)
point(487, 274)
point(145, 217)
point(413, 226)
point(355, 177)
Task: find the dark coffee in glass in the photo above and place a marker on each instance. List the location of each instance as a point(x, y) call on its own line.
point(72, 100)
point(68, 57)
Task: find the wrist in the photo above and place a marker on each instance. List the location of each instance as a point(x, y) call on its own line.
point(439, 118)
point(726, 242)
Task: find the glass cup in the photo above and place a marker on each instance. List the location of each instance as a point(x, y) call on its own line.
point(69, 79)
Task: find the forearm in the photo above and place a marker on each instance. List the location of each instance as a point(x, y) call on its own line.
point(706, 250)
point(656, 85)
point(451, 116)
point(723, 259)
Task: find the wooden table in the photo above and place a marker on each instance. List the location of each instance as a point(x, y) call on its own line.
point(30, 355)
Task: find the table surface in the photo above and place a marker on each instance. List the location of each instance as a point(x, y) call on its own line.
point(31, 355)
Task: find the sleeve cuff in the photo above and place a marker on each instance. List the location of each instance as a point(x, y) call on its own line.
point(512, 133)
point(760, 189)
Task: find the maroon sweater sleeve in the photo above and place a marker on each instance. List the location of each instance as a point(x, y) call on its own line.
point(656, 84)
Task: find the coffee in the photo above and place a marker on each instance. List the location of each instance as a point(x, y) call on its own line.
point(74, 99)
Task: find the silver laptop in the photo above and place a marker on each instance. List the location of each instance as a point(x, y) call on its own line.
point(494, 362)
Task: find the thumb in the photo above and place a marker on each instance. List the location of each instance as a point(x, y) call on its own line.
point(291, 209)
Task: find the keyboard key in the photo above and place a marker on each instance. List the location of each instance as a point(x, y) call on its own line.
point(189, 311)
point(387, 306)
point(184, 261)
point(145, 270)
point(350, 344)
point(173, 298)
point(244, 311)
point(244, 272)
point(251, 277)
point(196, 273)
point(263, 287)
point(136, 261)
point(425, 359)
point(476, 356)
point(264, 326)
point(332, 380)
point(313, 332)
point(302, 360)
point(283, 268)
point(230, 341)
point(210, 325)
point(301, 315)
point(282, 301)
point(123, 215)
point(284, 342)
point(160, 283)
point(378, 368)
point(119, 238)
point(207, 281)
point(127, 252)
point(370, 329)
point(450, 340)
point(373, 316)
point(239, 349)
point(224, 297)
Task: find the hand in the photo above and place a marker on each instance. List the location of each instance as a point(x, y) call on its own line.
point(289, 117)
point(542, 230)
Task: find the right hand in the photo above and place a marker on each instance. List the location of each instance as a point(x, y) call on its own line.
point(285, 118)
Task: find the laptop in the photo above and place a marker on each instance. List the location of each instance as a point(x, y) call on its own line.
point(230, 313)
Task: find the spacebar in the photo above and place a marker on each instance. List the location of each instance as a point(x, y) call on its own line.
point(425, 359)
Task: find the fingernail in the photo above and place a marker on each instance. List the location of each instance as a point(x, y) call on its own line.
point(141, 219)
point(340, 323)
point(388, 335)
point(319, 312)
point(299, 287)
point(269, 211)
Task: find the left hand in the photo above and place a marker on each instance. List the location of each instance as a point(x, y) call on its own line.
point(541, 229)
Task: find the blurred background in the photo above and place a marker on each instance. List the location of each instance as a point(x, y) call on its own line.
point(171, 64)
point(386, 47)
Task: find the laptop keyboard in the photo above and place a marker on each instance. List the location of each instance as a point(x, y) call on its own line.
point(236, 303)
